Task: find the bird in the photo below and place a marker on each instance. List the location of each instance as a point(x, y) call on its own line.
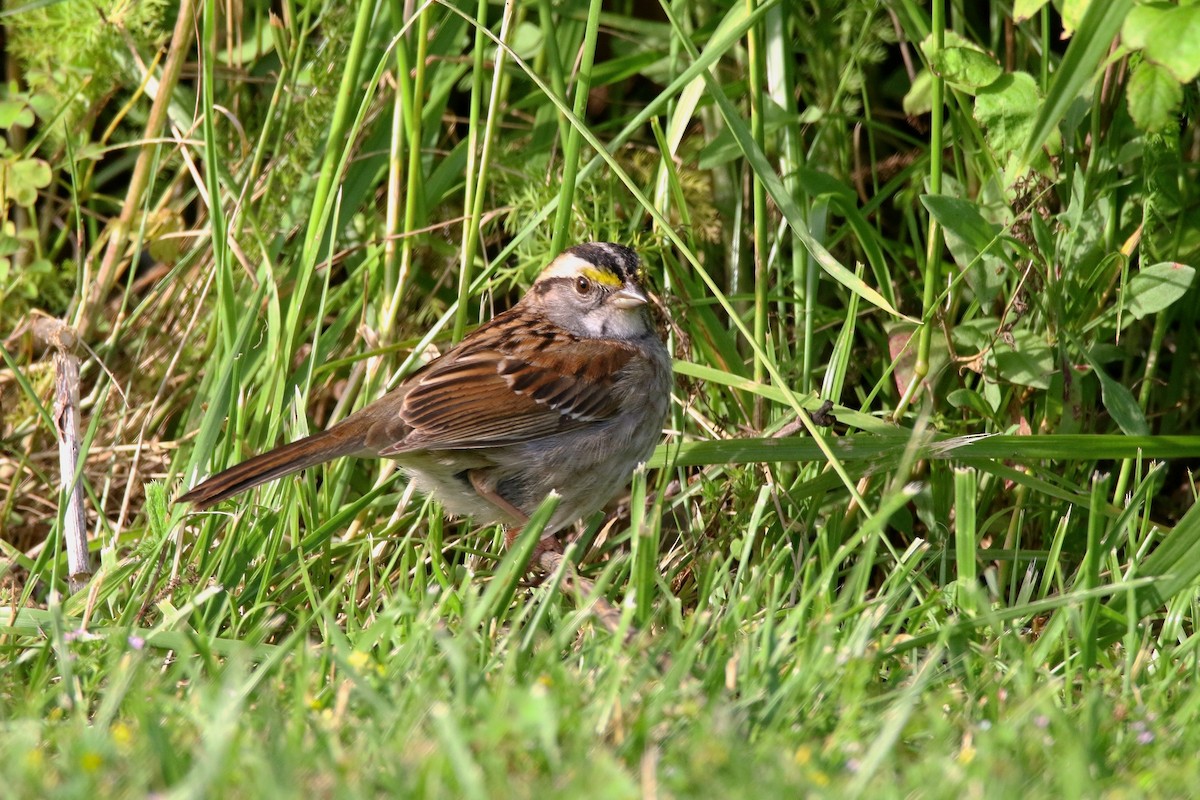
point(567, 391)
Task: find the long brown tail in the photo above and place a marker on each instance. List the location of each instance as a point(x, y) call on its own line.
point(307, 452)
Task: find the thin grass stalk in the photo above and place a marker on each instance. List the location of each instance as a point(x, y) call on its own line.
point(583, 86)
point(1089, 572)
point(966, 538)
point(495, 114)
point(882, 750)
point(291, 70)
point(1046, 44)
point(470, 234)
point(755, 155)
point(260, 148)
point(402, 100)
point(644, 550)
point(325, 202)
point(834, 379)
point(759, 193)
point(604, 156)
point(216, 213)
point(761, 166)
point(1149, 373)
point(553, 61)
point(798, 295)
point(1012, 538)
point(413, 199)
point(931, 279)
point(338, 124)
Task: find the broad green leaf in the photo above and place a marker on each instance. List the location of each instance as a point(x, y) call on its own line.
point(1153, 97)
point(1028, 361)
point(1024, 358)
point(526, 40)
point(1072, 14)
point(1168, 34)
point(919, 98)
point(973, 241)
point(25, 177)
point(1024, 9)
point(1007, 109)
point(1156, 287)
point(8, 244)
point(969, 399)
point(961, 62)
point(15, 112)
point(1119, 401)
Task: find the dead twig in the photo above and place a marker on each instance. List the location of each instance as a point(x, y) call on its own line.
point(62, 338)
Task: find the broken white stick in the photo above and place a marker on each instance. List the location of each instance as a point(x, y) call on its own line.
point(62, 338)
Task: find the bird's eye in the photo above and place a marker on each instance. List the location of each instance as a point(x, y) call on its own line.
point(582, 285)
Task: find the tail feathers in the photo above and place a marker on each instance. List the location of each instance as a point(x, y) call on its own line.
point(281, 461)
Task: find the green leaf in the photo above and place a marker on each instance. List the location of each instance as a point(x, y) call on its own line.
point(919, 98)
point(1027, 361)
point(8, 244)
point(1072, 12)
point(1024, 9)
point(526, 40)
point(1007, 109)
point(1119, 401)
point(1153, 97)
point(26, 176)
point(1155, 287)
point(15, 113)
point(971, 400)
point(1022, 358)
point(962, 63)
point(973, 241)
point(1168, 34)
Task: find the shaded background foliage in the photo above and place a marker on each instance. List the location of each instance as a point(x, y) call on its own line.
point(306, 219)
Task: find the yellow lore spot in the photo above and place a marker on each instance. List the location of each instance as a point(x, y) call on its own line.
point(601, 276)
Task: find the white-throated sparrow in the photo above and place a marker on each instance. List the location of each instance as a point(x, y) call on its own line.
point(565, 391)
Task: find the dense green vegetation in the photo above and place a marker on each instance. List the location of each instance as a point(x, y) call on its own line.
point(972, 227)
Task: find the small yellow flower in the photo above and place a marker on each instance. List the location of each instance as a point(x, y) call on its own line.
point(121, 735)
point(91, 761)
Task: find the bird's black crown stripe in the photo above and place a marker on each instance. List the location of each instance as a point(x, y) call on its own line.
point(617, 257)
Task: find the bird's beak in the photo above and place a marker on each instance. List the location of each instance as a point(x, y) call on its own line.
point(628, 297)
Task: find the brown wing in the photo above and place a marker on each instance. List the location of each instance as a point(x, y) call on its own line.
point(491, 391)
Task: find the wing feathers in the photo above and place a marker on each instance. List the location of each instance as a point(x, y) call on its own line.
point(510, 386)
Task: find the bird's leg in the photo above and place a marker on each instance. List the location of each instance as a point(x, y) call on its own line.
point(547, 557)
point(485, 490)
